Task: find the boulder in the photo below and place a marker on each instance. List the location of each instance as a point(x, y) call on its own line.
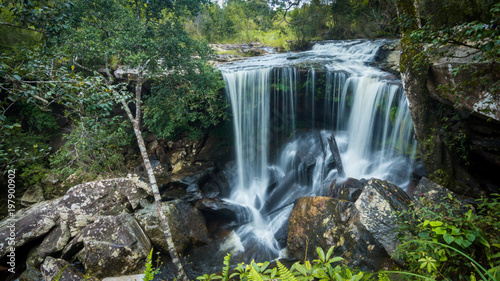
point(83, 203)
point(186, 223)
point(55, 241)
point(363, 232)
point(34, 194)
point(347, 189)
point(59, 269)
point(431, 195)
point(28, 224)
point(110, 246)
point(216, 209)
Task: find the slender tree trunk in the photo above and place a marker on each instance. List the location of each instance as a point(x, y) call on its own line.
point(181, 275)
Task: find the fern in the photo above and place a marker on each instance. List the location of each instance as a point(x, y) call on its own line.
point(284, 273)
point(59, 275)
point(225, 269)
point(149, 273)
point(254, 275)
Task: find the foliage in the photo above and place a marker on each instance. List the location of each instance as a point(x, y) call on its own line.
point(292, 24)
point(149, 272)
point(94, 147)
point(319, 269)
point(72, 76)
point(175, 106)
point(441, 240)
point(469, 25)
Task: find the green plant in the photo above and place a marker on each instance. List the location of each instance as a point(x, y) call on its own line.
point(60, 273)
point(149, 272)
point(319, 269)
point(93, 147)
point(450, 239)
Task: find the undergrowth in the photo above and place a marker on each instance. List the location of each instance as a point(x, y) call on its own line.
point(446, 240)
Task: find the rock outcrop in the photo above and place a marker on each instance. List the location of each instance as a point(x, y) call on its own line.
point(110, 246)
point(187, 225)
point(97, 224)
point(363, 232)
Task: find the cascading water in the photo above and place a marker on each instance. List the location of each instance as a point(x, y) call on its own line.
point(281, 126)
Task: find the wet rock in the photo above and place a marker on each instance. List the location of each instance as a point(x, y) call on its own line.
point(186, 223)
point(347, 189)
point(193, 193)
point(59, 269)
point(332, 143)
point(197, 177)
point(431, 195)
point(34, 194)
point(363, 232)
point(282, 194)
point(216, 209)
point(111, 246)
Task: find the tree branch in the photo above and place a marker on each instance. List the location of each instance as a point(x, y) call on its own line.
point(22, 27)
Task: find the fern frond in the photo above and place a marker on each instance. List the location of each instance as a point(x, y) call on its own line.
point(225, 269)
point(284, 273)
point(254, 275)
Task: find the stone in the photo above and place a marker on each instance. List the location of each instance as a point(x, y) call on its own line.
point(347, 189)
point(363, 232)
point(65, 217)
point(28, 224)
point(193, 193)
point(33, 262)
point(83, 203)
point(33, 194)
point(217, 209)
point(59, 269)
point(110, 246)
point(186, 223)
point(55, 241)
point(135, 277)
point(431, 195)
point(325, 222)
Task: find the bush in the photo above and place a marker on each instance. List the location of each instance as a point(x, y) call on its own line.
point(451, 239)
point(94, 147)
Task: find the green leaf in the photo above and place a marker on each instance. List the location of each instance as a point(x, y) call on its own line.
point(329, 253)
point(321, 254)
point(436, 223)
point(448, 238)
point(471, 237)
point(439, 230)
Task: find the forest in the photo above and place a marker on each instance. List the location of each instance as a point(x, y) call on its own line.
point(86, 88)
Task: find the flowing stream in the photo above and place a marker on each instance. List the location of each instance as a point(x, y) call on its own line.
point(284, 107)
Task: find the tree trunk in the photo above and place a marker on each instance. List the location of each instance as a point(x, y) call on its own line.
point(181, 275)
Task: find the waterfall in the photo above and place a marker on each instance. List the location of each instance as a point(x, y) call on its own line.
point(281, 124)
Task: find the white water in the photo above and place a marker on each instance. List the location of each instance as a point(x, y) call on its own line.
point(363, 106)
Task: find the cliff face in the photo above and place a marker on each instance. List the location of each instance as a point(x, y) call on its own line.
point(456, 118)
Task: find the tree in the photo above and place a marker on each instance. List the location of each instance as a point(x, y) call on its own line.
point(109, 49)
